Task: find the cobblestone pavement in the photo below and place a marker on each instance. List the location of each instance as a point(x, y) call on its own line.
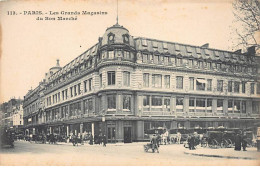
point(133, 154)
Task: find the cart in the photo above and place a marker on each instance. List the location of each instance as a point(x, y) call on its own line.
point(149, 146)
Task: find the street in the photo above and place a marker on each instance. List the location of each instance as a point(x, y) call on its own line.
point(26, 153)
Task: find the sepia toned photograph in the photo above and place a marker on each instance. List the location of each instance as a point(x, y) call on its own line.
point(130, 83)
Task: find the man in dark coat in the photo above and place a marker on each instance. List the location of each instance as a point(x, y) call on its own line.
point(91, 140)
point(189, 142)
point(104, 141)
point(244, 142)
point(238, 142)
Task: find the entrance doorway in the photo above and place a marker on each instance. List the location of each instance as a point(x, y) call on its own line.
point(127, 135)
point(111, 134)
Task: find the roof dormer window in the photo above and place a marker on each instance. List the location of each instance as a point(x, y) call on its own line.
point(111, 38)
point(126, 38)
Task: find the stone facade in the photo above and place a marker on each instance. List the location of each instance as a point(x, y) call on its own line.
point(123, 86)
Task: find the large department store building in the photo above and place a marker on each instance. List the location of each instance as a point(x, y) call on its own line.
point(123, 86)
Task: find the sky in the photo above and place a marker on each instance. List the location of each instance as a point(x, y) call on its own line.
point(29, 47)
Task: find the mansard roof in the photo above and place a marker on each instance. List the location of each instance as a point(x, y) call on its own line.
point(178, 49)
point(75, 62)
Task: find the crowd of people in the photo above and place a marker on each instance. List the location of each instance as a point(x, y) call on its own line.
point(73, 138)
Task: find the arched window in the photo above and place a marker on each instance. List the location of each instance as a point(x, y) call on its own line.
point(111, 38)
point(126, 38)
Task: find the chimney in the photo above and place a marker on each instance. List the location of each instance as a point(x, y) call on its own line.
point(58, 63)
point(206, 45)
point(251, 50)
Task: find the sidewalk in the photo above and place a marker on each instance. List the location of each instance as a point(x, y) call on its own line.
point(108, 144)
point(229, 153)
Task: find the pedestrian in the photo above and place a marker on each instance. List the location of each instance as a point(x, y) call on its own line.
point(244, 142)
point(193, 142)
point(100, 139)
point(189, 142)
point(179, 138)
point(104, 141)
point(155, 143)
point(237, 142)
point(91, 139)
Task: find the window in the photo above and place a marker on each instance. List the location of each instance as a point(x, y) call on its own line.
point(85, 85)
point(179, 104)
point(146, 103)
point(230, 106)
point(220, 85)
point(145, 58)
point(191, 83)
point(200, 104)
point(126, 78)
point(230, 86)
point(75, 90)
point(179, 82)
point(66, 94)
point(90, 84)
point(209, 84)
point(192, 104)
point(166, 60)
point(111, 38)
point(258, 88)
point(151, 58)
point(156, 58)
point(220, 105)
point(166, 104)
point(157, 80)
point(79, 89)
point(111, 78)
point(243, 87)
point(255, 107)
point(127, 55)
point(209, 105)
point(243, 106)
point(200, 84)
point(190, 63)
point(88, 106)
point(167, 81)
point(200, 64)
point(179, 62)
point(71, 91)
point(111, 100)
point(63, 96)
point(236, 87)
point(252, 88)
point(237, 106)
point(156, 103)
point(209, 66)
point(218, 66)
point(146, 79)
point(127, 102)
point(53, 98)
point(111, 54)
point(100, 80)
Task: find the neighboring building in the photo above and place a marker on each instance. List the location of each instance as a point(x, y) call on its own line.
point(123, 86)
point(18, 116)
point(12, 114)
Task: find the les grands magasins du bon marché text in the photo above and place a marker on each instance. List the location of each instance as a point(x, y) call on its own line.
point(53, 13)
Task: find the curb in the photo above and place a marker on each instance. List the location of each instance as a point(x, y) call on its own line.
point(219, 156)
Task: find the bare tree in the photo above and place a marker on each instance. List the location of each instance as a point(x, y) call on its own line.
point(247, 14)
